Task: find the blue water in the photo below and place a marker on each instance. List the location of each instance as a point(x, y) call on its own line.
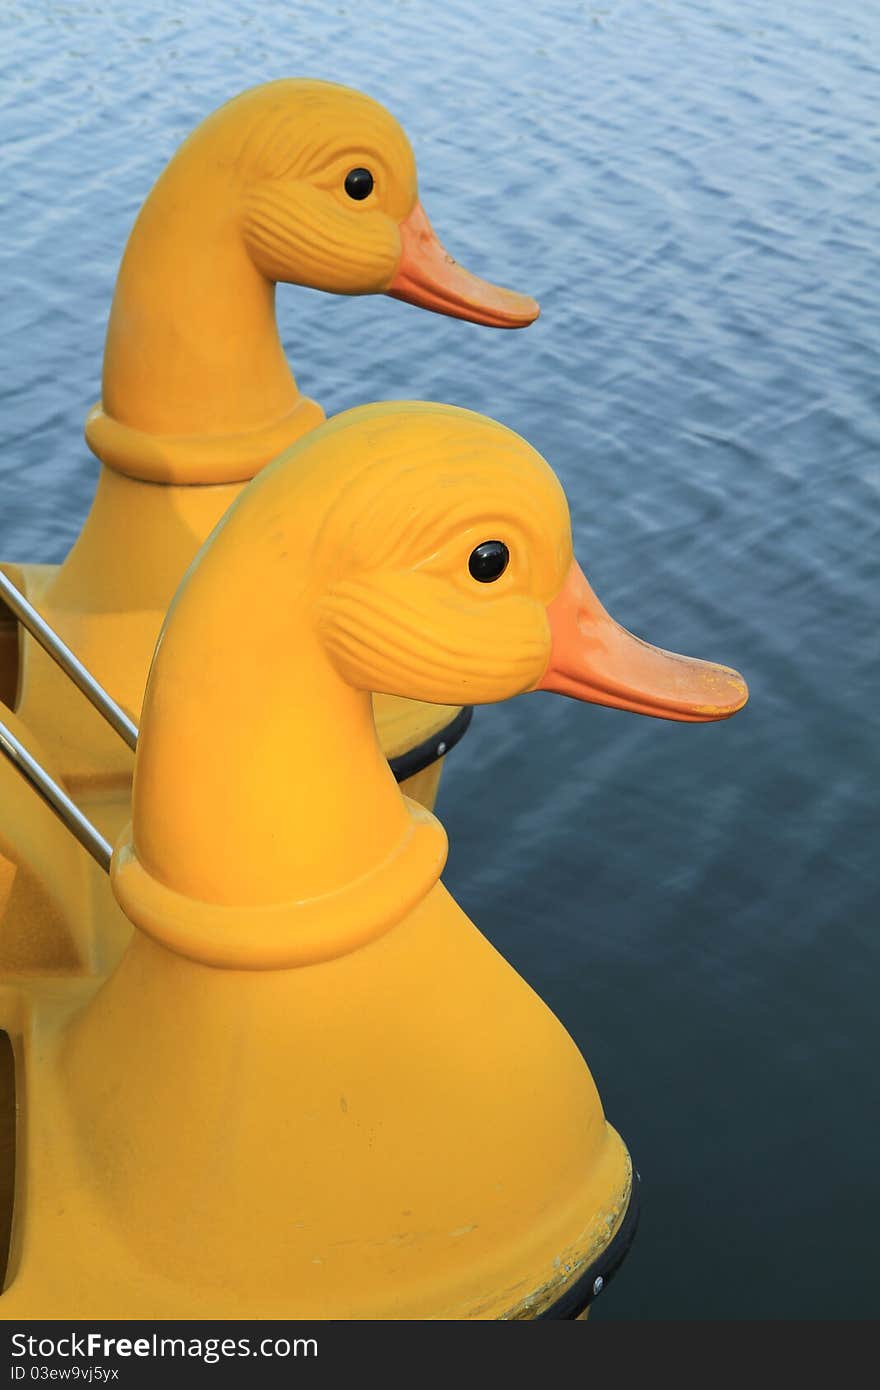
point(690, 190)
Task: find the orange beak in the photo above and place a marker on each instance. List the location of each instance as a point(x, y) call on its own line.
point(427, 275)
point(594, 659)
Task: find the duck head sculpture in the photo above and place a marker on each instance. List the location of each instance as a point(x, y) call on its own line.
point(298, 181)
point(411, 549)
point(311, 1088)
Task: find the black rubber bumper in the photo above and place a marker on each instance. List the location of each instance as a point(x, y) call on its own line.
point(578, 1297)
point(437, 746)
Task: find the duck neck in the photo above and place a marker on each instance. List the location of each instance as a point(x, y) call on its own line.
point(259, 782)
point(196, 385)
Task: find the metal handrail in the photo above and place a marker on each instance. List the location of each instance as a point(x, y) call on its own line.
point(24, 762)
point(70, 664)
point(66, 810)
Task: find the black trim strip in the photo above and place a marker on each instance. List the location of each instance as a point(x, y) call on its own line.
point(581, 1293)
point(437, 746)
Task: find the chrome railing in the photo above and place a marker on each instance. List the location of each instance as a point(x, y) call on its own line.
point(24, 762)
point(65, 809)
point(71, 665)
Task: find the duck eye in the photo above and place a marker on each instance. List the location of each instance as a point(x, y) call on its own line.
point(489, 561)
point(359, 184)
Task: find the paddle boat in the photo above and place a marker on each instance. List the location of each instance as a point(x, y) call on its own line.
point(310, 1088)
point(298, 181)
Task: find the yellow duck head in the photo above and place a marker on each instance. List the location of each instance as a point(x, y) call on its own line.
point(413, 549)
point(311, 1088)
point(478, 597)
point(329, 199)
point(299, 181)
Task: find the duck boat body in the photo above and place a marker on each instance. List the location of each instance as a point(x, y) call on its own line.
point(310, 1087)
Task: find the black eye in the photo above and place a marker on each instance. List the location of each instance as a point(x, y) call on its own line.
point(359, 184)
point(488, 561)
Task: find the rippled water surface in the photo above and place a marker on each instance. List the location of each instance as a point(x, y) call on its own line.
point(690, 189)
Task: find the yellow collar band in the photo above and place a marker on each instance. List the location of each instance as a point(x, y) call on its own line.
point(283, 935)
point(234, 458)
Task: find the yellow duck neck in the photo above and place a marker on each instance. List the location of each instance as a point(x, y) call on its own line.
point(196, 385)
point(255, 826)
